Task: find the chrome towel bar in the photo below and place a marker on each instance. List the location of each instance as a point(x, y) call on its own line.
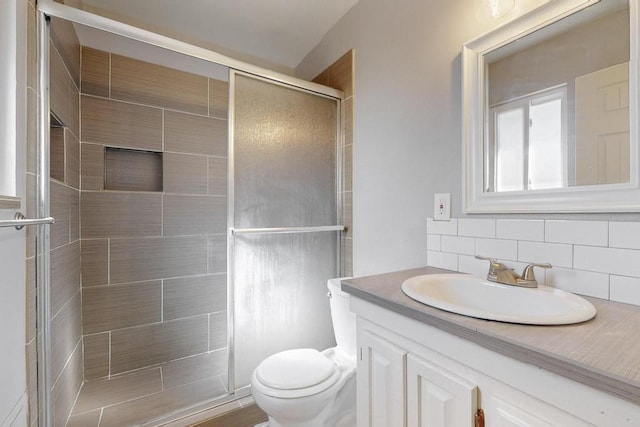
point(19, 221)
point(285, 230)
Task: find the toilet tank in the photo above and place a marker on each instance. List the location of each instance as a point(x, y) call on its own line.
point(344, 321)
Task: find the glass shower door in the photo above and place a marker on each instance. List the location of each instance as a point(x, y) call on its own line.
point(284, 241)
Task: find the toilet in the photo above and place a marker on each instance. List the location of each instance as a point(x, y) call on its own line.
point(308, 388)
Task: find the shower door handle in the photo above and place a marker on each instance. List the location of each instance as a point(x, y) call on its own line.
point(19, 221)
point(287, 230)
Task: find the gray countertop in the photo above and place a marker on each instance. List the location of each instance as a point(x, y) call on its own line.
point(603, 353)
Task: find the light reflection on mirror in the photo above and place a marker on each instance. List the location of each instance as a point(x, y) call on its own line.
point(558, 104)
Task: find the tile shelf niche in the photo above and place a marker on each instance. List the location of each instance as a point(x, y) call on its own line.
point(132, 170)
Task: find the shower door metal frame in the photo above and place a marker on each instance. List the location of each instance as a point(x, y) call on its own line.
point(47, 9)
point(232, 231)
point(43, 244)
point(58, 10)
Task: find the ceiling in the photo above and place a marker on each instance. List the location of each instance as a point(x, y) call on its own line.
point(279, 32)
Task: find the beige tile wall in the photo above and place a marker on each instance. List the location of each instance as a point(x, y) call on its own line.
point(340, 75)
point(153, 263)
point(66, 324)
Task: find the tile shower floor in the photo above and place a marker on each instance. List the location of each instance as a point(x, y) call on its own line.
point(144, 395)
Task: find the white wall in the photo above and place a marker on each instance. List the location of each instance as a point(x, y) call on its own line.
point(407, 119)
point(8, 98)
point(12, 242)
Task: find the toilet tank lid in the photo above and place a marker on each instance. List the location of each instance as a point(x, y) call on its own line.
point(295, 369)
point(335, 285)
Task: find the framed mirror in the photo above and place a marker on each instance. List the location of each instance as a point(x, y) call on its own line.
point(550, 111)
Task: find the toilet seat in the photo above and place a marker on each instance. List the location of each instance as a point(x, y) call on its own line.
point(296, 373)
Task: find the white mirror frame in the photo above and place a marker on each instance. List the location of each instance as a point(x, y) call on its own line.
point(593, 198)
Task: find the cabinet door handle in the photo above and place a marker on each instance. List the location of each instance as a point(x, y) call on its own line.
point(479, 418)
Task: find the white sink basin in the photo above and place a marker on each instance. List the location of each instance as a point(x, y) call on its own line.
point(470, 296)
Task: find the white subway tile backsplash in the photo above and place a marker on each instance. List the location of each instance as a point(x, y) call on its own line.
point(594, 258)
point(433, 242)
point(625, 289)
point(472, 265)
point(624, 262)
point(458, 245)
point(555, 254)
point(442, 260)
point(497, 248)
point(477, 227)
point(520, 229)
point(624, 235)
point(591, 233)
point(577, 281)
point(442, 227)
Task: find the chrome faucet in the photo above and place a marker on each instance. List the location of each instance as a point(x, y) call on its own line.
point(501, 273)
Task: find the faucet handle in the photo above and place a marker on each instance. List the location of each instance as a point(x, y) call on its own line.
point(528, 274)
point(494, 266)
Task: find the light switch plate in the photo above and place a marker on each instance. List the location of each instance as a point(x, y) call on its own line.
point(442, 207)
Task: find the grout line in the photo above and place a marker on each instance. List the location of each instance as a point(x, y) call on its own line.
point(186, 153)
point(139, 282)
point(66, 363)
point(131, 193)
point(68, 301)
point(208, 176)
point(75, 401)
point(109, 374)
point(110, 74)
point(144, 325)
point(64, 64)
point(108, 261)
point(155, 107)
point(208, 256)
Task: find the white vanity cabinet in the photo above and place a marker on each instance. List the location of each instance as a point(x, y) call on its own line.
point(413, 374)
point(385, 366)
point(437, 396)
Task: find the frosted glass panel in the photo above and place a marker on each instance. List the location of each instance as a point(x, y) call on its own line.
point(284, 176)
point(285, 151)
point(281, 296)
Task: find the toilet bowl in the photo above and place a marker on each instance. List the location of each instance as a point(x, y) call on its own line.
point(308, 388)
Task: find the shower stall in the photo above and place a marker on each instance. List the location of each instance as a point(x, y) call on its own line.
point(198, 206)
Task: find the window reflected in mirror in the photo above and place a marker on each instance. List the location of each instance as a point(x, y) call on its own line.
point(529, 141)
point(557, 104)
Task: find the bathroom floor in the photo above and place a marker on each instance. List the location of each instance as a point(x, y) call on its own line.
point(248, 416)
point(144, 395)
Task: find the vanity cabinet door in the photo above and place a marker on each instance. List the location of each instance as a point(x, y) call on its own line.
point(381, 379)
point(436, 397)
point(511, 409)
